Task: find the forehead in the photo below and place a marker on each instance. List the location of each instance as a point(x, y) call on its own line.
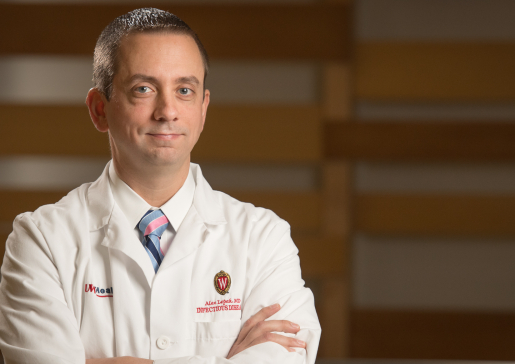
point(157, 53)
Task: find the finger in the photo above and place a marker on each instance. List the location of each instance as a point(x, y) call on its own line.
point(263, 327)
point(260, 316)
point(264, 313)
point(285, 341)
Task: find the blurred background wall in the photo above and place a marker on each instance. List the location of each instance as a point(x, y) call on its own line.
point(382, 130)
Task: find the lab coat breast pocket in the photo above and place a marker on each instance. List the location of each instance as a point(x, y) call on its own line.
point(218, 278)
point(217, 321)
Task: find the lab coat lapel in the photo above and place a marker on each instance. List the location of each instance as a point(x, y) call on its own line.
point(189, 237)
point(120, 236)
point(206, 211)
point(105, 214)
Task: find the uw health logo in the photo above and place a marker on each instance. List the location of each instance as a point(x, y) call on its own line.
point(222, 282)
point(99, 292)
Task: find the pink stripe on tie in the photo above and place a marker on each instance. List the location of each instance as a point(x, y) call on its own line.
point(155, 224)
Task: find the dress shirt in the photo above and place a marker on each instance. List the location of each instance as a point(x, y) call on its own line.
point(134, 206)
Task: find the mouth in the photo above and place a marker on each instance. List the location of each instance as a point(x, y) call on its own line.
point(165, 136)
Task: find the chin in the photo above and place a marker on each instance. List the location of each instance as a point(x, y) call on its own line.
point(168, 158)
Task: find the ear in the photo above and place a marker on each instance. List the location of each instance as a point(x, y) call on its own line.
point(96, 103)
point(205, 104)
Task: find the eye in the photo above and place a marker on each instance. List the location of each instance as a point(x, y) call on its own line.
point(143, 89)
point(185, 91)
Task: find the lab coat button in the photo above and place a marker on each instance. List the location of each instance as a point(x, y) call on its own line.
point(163, 342)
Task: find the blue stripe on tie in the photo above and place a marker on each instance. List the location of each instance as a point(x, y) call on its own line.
point(155, 242)
point(152, 260)
point(151, 241)
point(153, 250)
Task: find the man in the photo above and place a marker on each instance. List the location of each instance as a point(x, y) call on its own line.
point(148, 263)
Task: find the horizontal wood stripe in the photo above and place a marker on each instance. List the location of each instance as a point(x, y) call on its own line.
point(57, 130)
point(16, 202)
point(404, 214)
point(320, 256)
point(388, 141)
point(227, 31)
point(387, 334)
point(443, 21)
point(300, 210)
point(452, 72)
point(260, 134)
point(275, 133)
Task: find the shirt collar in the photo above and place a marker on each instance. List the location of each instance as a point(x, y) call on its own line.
point(134, 206)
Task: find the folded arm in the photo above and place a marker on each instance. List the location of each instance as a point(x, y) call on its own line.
point(38, 326)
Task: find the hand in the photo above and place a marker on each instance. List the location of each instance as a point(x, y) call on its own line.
point(119, 360)
point(256, 331)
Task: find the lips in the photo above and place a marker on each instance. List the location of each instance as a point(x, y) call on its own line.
point(165, 136)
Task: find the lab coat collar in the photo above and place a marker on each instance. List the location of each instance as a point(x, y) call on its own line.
point(206, 202)
point(101, 202)
point(205, 211)
point(134, 206)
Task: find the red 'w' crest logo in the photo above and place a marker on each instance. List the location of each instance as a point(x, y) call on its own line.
point(222, 282)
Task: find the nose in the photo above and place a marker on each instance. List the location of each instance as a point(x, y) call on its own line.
point(165, 108)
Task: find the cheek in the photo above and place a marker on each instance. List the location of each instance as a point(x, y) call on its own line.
point(196, 125)
point(125, 130)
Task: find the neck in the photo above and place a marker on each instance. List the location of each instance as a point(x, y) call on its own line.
point(157, 189)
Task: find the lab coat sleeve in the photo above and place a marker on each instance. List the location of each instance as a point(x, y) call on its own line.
point(276, 278)
point(36, 324)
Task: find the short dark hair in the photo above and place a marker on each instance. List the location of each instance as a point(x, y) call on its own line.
point(136, 21)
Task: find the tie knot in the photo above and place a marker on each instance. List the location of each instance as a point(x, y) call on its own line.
point(153, 223)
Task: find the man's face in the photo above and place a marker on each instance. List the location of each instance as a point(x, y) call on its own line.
point(158, 106)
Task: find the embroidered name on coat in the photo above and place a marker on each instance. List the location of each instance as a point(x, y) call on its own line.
point(221, 305)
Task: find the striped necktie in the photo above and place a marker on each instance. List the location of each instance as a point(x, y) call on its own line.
point(152, 225)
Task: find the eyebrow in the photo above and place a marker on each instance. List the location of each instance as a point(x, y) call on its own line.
point(141, 77)
point(191, 79)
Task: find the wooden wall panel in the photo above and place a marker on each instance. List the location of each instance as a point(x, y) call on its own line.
point(432, 335)
point(300, 210)
point(257, 134)
point(450, 215)
point(416, 71)
point(338, 92)
point(58, 130)
point(420, 141)
point(253, 133)
point(15, 202)
point(335, 302)
point(320, 256)
point(227, 31)
point(333, 313)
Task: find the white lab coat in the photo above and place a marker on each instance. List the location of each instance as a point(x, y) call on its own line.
point(57, 254)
